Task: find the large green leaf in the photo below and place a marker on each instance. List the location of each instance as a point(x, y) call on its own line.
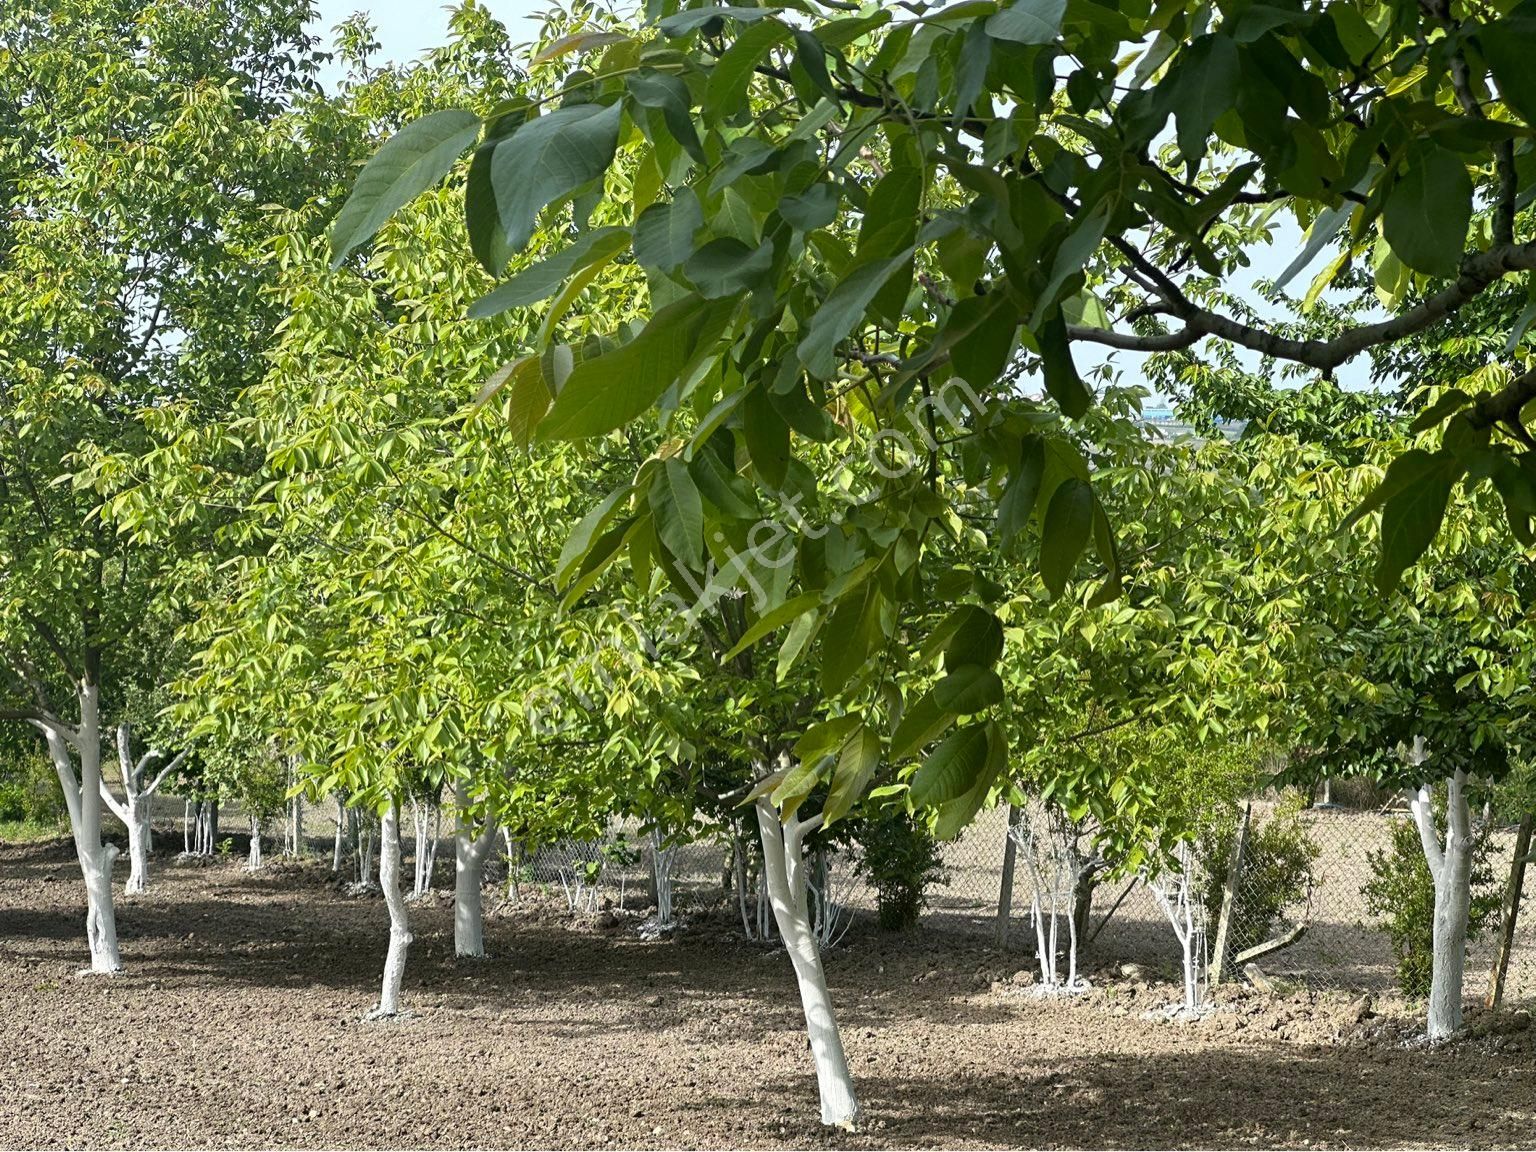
point(549, 157)
point(668, 95)
point(410, 162)
point(1509, 46)
point(545, 278)
point(855, 769)
point(1028, 21)
point(1018, 502)
point(1411, 519)
point(679, 511)
point(957, 813)
point(1068, 520)
point(969, 688)
point(607, 392)
point(842, 310)
point(683, 23)
point(976, 639)
point(580, 540)
point(1427, 211)
point(953, 768)
point(732, 73)
point(774, 619)
point(922, 723)
point(664, 232)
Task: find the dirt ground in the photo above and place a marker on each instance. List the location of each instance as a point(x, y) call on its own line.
point(238, 1023)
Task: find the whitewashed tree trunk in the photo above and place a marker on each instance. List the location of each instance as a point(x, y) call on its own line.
point(135, 808)
point(253, 859)
point(784, 867)
point(1450, 865)
point(662, 861)
point(341, 830)
point(83, 798)
point(470, 853)
point(1180, 905)
point(399, 925)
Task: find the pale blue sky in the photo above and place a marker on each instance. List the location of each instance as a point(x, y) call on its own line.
point(406, 28)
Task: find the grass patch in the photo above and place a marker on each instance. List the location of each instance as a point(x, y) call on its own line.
point(30, 831)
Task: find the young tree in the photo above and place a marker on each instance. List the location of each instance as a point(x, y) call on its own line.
point(142, 144)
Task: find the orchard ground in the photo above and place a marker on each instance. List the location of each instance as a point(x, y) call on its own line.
point(239, 1023)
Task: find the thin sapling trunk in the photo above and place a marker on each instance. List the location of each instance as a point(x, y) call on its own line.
point(399, 925)
point(1450, 866)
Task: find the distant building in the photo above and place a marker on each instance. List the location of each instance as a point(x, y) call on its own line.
point(1167, 424)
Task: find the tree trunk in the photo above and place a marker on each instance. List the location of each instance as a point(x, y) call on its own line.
point(1450, 864)
point(82, 796)
point(469, 856)
point(783, 864)
point(341, 828)
point(138, 843)
point(399, 929)
point(253, 861)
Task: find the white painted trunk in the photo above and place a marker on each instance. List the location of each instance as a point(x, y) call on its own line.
point(138, 844)
point(469, 856)
point(662, 860)
point(399, 928)
point(83, 798)
point(341, 828)
point(1450, 865)
point(253, 860)
point(783, 865)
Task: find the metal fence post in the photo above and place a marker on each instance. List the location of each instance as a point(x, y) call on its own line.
point(1229, 895)
point(1005, 891)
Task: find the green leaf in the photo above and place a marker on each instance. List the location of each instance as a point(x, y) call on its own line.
point(1062, 382)
point(1206, 84)
point(1411, 519)
point(679, 512)
point(683, 23)
point(1325, 228)
point(726, 266)
point(732, 73)
point(1509, 46)
point(580, 540)
point(969, 688)
point(956, 814)
point(977, 638)
point(797, 785)
point(1451, 400)
point(409, 162)
point(814, 208)
point(842, 310)
point(664, 232)
point(953, 768)
point(855, 769)
point(921, 724)
point(549, 157)
point(984, 328)
point(801, 633)
point(1018, 502)
point(767, 437)
point(544, 279)
point(1068, 520)
point(1028, 22)
point(668, 95)
point(609, 391)
point(1427, 211)
point(826, 737)
point(851, 633)
point(773, 620)
point(1075, 250)
point(1406, 470)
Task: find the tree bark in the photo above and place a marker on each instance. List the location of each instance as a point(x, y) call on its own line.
point(82, 796)
point(253, 860)
point(138, 844)
point(470, 853)
point(1450, 865)
point(783, 864)
point(399, 925)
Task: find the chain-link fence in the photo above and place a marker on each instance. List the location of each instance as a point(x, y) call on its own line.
point(1307, 895)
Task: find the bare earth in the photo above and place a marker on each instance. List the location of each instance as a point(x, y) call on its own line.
point(238, 1023)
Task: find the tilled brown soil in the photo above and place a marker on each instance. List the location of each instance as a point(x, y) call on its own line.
point(238, 1023)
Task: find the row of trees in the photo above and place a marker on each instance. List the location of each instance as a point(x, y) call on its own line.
point(682, 421)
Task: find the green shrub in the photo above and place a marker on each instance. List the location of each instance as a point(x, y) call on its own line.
point(29, 789)
point(900, 859)
point(1402, 893)
point(1276, 873)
